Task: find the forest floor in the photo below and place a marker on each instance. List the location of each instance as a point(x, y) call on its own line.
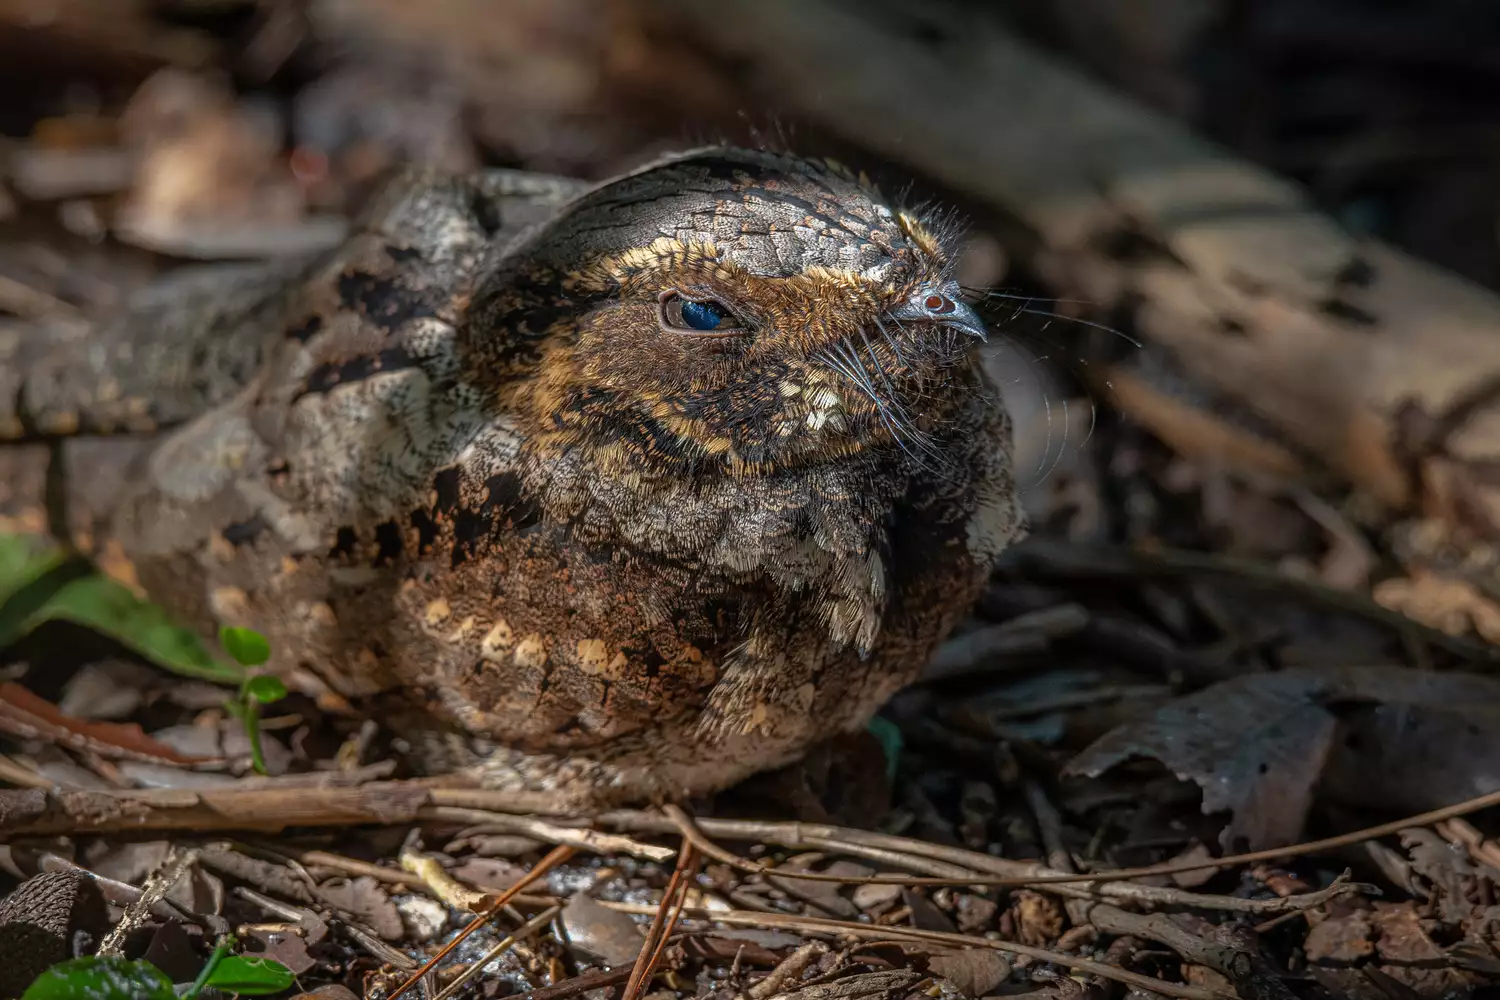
point(1206, 735)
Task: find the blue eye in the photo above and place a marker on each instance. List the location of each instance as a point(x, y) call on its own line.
point(707, 318)
point(703, 315)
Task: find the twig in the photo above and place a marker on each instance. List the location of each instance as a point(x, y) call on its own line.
point(580, 984)
point(1049, 826)
point(661, 924)
point(372, 944)
point(1251, 975)
point(156, 887)
point(16, 773)
point(34, 812)
point(274, 906)
point(442, 885)
point(581, 838)
point(527, 929)
point(1016, 874)
point(788, 968)
point(706, 847)
point(353, 866)
point(747, 918)
point(393, 876)
point(554, 858)
point(41, 812)
point(311, 922)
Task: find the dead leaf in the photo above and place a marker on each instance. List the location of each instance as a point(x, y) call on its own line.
point(1038, 918)
point(599, 933)
point(976, 972)
point(975, 914)
point(924, 913)
point(363, 897)
point(25, 715)
point(1193, 879)
point(488, 874)
point(1259, 745)
point(826, 896)
point(111, 689)
point(1341, 940)
point(1447, 604)
point(1254, 744)
point(286, 947)
point(875, 896)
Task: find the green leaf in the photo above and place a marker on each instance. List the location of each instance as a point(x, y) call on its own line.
point(108, 606)
point(24, 559)
point(251, 975)
point(94, 978)
point(265, 688)
point(32, 569)
point(247, 646)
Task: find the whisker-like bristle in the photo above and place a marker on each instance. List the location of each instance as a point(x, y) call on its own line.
point(875, 361)
point(891, 341)
point(1028, 310)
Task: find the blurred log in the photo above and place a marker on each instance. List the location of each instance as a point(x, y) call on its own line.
point(1381, 367)
point(91, 39)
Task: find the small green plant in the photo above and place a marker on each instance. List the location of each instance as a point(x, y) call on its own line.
point(40, 583)
point(250, 649)
point(95, 978)
point(113, 978)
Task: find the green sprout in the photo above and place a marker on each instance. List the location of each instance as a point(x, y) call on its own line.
point(250, 649)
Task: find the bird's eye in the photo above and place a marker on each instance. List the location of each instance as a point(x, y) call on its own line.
point(698, 317)
point(939, 304)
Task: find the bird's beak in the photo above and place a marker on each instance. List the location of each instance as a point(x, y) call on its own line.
point(963, 317)
point(942, 305)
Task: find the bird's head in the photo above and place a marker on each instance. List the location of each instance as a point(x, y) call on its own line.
point(728, 309)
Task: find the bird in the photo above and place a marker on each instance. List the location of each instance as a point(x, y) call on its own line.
point(641, 486)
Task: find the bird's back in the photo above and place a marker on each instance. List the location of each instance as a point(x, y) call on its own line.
point(87, 396)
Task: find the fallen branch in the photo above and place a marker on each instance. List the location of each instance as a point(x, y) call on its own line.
point(35, 812)
point(39, 812)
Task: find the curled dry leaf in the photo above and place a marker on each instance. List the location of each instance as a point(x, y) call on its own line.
point(1260, 745)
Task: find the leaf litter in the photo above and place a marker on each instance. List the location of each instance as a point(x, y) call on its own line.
point(1292, 679)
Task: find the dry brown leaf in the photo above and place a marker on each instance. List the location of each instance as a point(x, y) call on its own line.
point(25, 715)
point(977, 972)
point(601, 934)
point(1260, 745)
point(366, 899)
point(1447, 604)
point(1342, 939)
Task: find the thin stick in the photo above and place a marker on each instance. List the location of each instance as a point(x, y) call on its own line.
point(34, 812)
point(802, 834)
point(520, 933)
point(580, 984)
point(706, 847)
point(554, 858)
point(662, 924)
point(746, 918)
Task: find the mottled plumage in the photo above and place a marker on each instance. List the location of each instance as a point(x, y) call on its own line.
point(479, 454)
